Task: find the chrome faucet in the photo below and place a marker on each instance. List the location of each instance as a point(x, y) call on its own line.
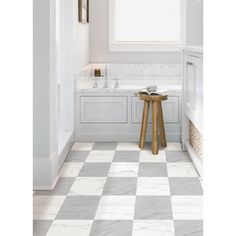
point(116, 84)
point(106, 77)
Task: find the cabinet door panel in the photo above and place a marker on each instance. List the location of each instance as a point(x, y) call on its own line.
point(103, 110)
point(170, 110)
point(193, 89)
point(192, 83)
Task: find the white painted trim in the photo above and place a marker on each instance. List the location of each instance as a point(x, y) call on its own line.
point(195, 158)
point(51, 157)
point(65, 151)
point(50, 187)
point(116, 46)
point(45, 171)
point(183, 22)
point(143, 47)
point(111, 19)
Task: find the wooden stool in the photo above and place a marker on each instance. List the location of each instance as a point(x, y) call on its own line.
point(157, 121)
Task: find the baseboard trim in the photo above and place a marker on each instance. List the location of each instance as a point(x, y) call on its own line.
point(92, 137)
point(45, 172)
point(65, 151)
point(195, 158)
point(38, 188)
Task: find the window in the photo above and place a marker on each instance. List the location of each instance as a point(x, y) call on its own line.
point(146, 25)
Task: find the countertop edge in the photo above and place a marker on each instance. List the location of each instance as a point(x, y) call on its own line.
point(198, 49)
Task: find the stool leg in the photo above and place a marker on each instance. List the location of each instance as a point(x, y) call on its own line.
point(154, 127)
point(161, 125)
point(144, 125)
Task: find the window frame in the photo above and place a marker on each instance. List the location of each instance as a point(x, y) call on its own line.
point(116, 46)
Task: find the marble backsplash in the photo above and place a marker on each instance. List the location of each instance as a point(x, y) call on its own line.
point(140, 70)
point(136, 71)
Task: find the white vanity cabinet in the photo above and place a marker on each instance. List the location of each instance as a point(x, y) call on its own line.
point(115, 115)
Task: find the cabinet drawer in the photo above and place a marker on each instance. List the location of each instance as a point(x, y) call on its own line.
point(170, 110)
point(103, 109)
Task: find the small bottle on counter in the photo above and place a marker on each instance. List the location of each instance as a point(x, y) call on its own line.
point(97, 72)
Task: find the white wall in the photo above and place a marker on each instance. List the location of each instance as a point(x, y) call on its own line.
point(99, 38)
point(194, 22)
point(81, 41)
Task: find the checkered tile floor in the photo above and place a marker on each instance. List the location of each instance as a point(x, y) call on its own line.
point(114, 189)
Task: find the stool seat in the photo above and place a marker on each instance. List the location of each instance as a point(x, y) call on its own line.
point(157, 121)
point(157, 98)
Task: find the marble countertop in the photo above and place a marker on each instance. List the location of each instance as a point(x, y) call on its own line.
point(127, 89)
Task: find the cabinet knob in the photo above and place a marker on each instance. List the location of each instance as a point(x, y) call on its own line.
point(189, 63)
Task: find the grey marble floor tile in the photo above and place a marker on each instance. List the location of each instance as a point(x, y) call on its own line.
point(77, 156)
point(126, 156)
point(185, 186)
point(153, 208)
point(120, 186)
point(40, 227)
point(95, 170)
point(111, 227)
point(177, 156)
point(152, 170)
point(188, 228)
point(104, 146)
point(79, 207)
point(148, 146)
point(62, 187)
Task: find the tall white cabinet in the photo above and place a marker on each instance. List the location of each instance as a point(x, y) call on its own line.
point(192, 58)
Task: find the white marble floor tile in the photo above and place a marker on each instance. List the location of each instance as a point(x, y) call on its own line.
point(127, 146)
point(70, 169)
point(181, 169)
point(147, 156)
point(82, 146)
point(123, 170)
point(153, 186)
point(172, 146)
point(100, 156)
point(116, 208)
point(187, 207)
point(88, 186)
point(46, 207)
point(153, 228)
point(70, 228)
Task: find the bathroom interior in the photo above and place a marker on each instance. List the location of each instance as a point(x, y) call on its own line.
point(92, 174)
